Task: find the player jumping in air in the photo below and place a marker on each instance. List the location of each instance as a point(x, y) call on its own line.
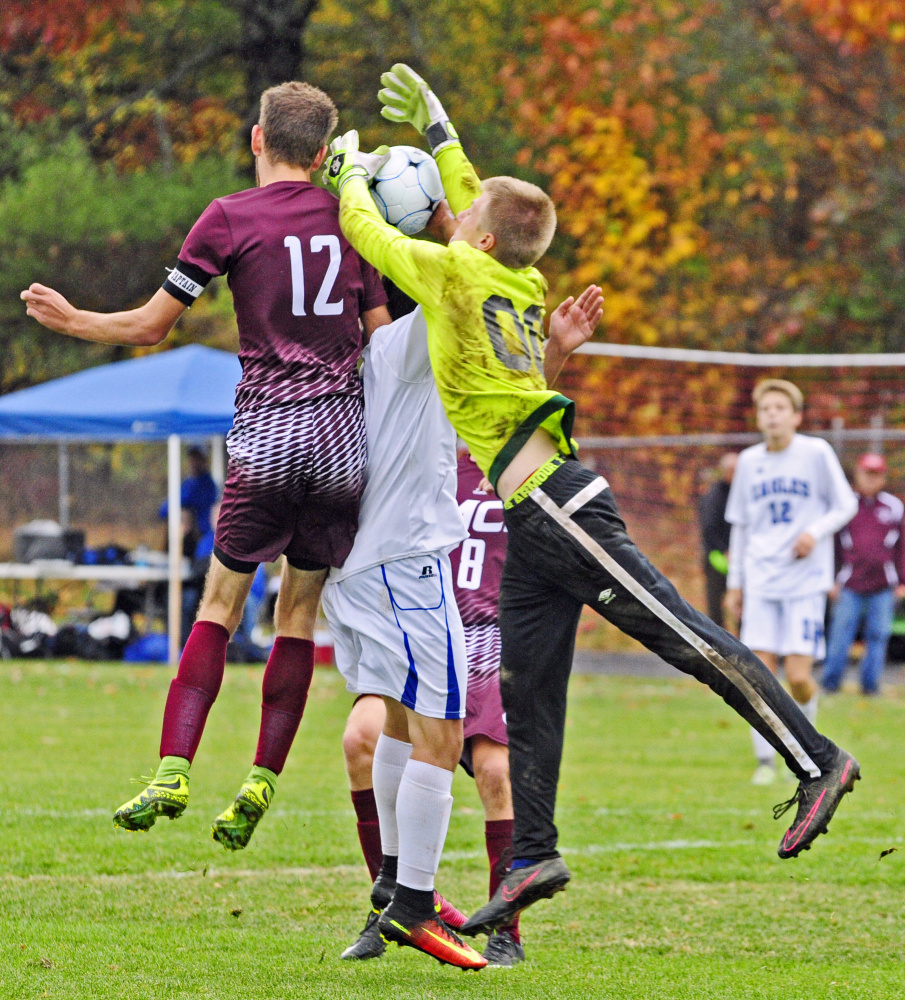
point(297, 447)
point(398, 633)
point(483, 302)
point(789, 496)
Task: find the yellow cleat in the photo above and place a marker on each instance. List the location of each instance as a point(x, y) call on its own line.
point(235, 825)
point(167, 797)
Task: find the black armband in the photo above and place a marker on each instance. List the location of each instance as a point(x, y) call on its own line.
point(186, 282)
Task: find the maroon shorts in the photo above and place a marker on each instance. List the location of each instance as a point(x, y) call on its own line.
point(294, 484)
point(484, 715)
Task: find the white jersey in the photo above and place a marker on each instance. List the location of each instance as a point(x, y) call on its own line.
point(775, 496)
point(409, 504)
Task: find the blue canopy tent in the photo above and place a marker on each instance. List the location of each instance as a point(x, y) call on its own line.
point(185, 393)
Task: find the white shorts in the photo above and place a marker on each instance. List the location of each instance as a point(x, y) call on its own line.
point(397, 632)
point(784, 626)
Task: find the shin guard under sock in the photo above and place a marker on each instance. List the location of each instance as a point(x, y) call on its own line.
point(423, 808)
point(287, 678)
point(193, 690)
point(390, 758)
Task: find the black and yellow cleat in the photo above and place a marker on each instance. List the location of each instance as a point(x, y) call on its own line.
point(165, 797)
point(235, 825)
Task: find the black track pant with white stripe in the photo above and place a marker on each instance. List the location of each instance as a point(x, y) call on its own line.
point(568, 547)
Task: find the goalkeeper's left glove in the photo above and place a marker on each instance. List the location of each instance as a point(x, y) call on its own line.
point(346, 160)
point(407, 98)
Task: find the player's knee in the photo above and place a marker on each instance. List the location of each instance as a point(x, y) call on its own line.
point(358, 744)
point(491, 771)
point(492, 777)
point(802, 690)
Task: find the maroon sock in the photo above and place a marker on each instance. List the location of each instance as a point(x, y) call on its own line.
point(498, 835)
point(193, 690)
point(287, 678)
point(368, 829)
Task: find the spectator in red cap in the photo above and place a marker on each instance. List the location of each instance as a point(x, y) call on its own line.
point(871, 552)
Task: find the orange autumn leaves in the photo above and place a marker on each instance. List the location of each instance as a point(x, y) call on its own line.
point(714, 176)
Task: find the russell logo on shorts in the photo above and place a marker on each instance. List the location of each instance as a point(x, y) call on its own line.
point(427, 573)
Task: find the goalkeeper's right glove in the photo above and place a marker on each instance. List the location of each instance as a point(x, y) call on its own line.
point(347, 160)
point(407, 98)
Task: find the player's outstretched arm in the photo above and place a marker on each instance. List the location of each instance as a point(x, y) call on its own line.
point(413, 265)
point(572, 323)
point(142, 327)
point(406, 97)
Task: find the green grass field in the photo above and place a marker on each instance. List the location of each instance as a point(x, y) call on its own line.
point(677, 891)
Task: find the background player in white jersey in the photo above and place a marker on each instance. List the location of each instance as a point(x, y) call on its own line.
point(788, 498)
point(396, 627)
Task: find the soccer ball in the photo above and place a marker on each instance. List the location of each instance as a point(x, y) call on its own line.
point(407, 189)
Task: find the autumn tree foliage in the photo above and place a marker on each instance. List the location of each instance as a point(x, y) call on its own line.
point(119, 122)
point(726, 167)
point(730, 170)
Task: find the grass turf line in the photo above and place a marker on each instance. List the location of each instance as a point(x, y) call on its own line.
point(677, 892)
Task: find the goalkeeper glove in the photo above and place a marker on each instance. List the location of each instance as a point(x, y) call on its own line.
point(346, 160)
point(407, 98)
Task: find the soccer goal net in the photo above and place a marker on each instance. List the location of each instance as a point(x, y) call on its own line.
point(655, 422)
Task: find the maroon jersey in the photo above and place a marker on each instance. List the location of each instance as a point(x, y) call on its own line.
point(477, 563)
point(298, 289)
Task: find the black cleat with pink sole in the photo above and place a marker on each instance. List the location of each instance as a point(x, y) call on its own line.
point(817, 801)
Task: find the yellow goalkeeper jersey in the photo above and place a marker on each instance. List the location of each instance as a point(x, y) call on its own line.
point(484, 323)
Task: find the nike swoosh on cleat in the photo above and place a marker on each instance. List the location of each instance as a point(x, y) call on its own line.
point(510, 894)
point(848, 766)
point(803, 826)
point(173, 786)
point(464, 952)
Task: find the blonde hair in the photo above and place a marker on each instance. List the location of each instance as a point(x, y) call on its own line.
point(297, 121)
point(521, 217)
point(779, 385)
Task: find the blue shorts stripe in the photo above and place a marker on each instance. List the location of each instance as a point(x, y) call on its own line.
point(453, 698)
point(410, 691)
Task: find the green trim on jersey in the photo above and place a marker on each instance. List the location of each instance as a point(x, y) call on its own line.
point(484, 323)
point(558, 409)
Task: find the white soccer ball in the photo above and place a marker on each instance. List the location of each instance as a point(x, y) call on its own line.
point(407, 189)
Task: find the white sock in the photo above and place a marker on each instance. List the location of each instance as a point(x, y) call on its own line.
point(810, 709)
point(763, 751)
point(423, 808)
point(390, 758)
